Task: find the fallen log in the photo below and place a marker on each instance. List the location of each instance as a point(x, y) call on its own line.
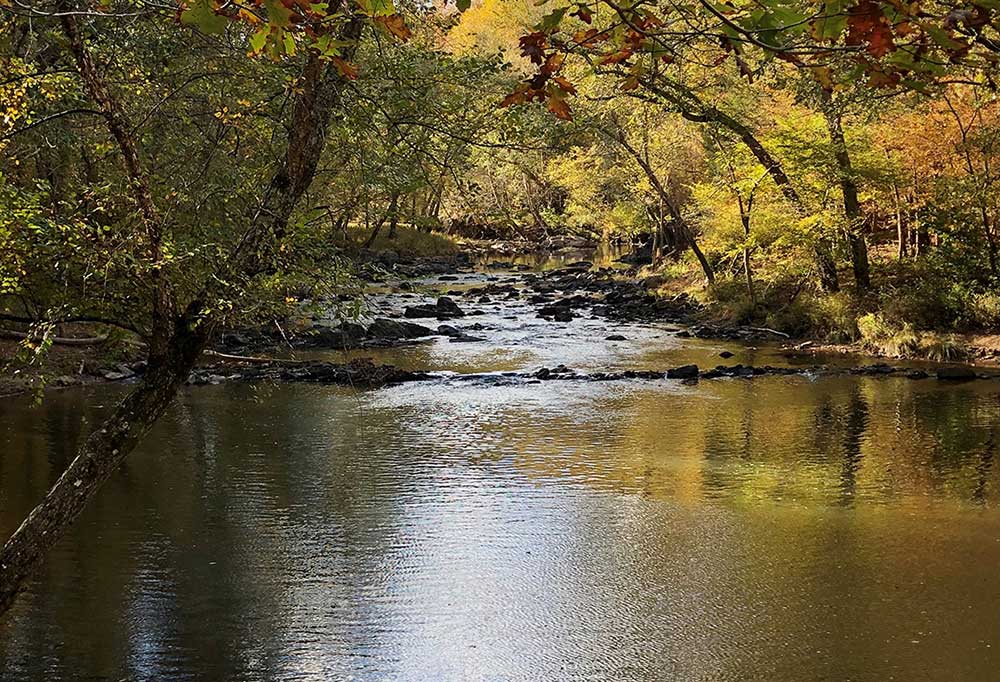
point(58, 340)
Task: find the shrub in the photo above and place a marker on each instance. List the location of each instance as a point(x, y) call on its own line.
point(984, 309)
point(881, 336)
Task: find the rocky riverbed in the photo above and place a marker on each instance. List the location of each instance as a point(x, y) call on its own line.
point(503, 323)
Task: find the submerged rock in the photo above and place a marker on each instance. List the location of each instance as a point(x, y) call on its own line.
point(956, 374)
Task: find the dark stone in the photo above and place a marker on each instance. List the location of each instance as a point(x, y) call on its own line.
point(916, 374)
point(956, 374)
point(557, 311)
point(683, 372)
point(615, 337)
point(725, 355)
point(683, 334)
point(449, 330)
point(419, 311)
point(346, 335)
point(447, 307)
point(384, 328)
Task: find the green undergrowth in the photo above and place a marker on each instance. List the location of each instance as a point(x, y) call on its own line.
point(914, 310)
point(407, 241)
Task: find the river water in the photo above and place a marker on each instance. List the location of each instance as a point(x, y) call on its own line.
point(781, 528)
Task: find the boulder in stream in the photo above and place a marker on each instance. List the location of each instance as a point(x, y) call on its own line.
point(683, 372)
point(444, 308)
point(384, 328)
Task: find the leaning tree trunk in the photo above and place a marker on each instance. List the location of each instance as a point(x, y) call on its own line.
point(682, 229)
point(692, 108)
point(101, 455)
point(171, 360)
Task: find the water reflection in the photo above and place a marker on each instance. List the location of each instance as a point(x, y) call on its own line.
point(771, 529)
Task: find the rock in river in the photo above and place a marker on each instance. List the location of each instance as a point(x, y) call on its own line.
point(443, 309)
point(683, 372)
point(956, 373)
point(384, 328)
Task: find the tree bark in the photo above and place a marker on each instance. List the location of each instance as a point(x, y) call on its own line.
point(849, 189)
point(128, 148)
point(101, 455)
point(189, 332)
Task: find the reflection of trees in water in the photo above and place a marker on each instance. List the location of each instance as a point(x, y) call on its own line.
point(856, 424)
point(273, 511)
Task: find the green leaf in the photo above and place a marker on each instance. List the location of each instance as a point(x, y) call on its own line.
point(463, 5)
point(377, 8)
point(201, 14)
point(258, 39)
point(278, 14)
point(832, 23)
point(550, 22)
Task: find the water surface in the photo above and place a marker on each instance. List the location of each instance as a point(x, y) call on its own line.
point(784, 528)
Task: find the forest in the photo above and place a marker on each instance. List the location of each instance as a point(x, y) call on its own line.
point(172, 172)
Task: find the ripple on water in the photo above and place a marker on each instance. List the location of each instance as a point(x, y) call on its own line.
point(735, 530)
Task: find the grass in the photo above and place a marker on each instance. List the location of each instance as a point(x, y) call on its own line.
point(408, 241)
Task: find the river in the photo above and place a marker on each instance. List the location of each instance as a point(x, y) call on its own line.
point(780, 528)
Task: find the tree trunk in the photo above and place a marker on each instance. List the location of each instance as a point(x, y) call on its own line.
point(101, 455)
point(747, 270)
point(705, 265)
point(693, 109)
point(171, 359)
point(849, 189)
point(680, 225)
point(393, 216)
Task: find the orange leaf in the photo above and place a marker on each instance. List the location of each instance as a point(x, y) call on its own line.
point(347, 70)
point(869, 27)
point(567, 87)
point(615, 57)
point(396, 25)
point(558, 106)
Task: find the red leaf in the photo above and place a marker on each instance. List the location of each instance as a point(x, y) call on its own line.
point(533, 46)
point(584, 13)
point(869, 27)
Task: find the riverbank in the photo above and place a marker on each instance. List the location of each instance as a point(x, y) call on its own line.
point(447, 303)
